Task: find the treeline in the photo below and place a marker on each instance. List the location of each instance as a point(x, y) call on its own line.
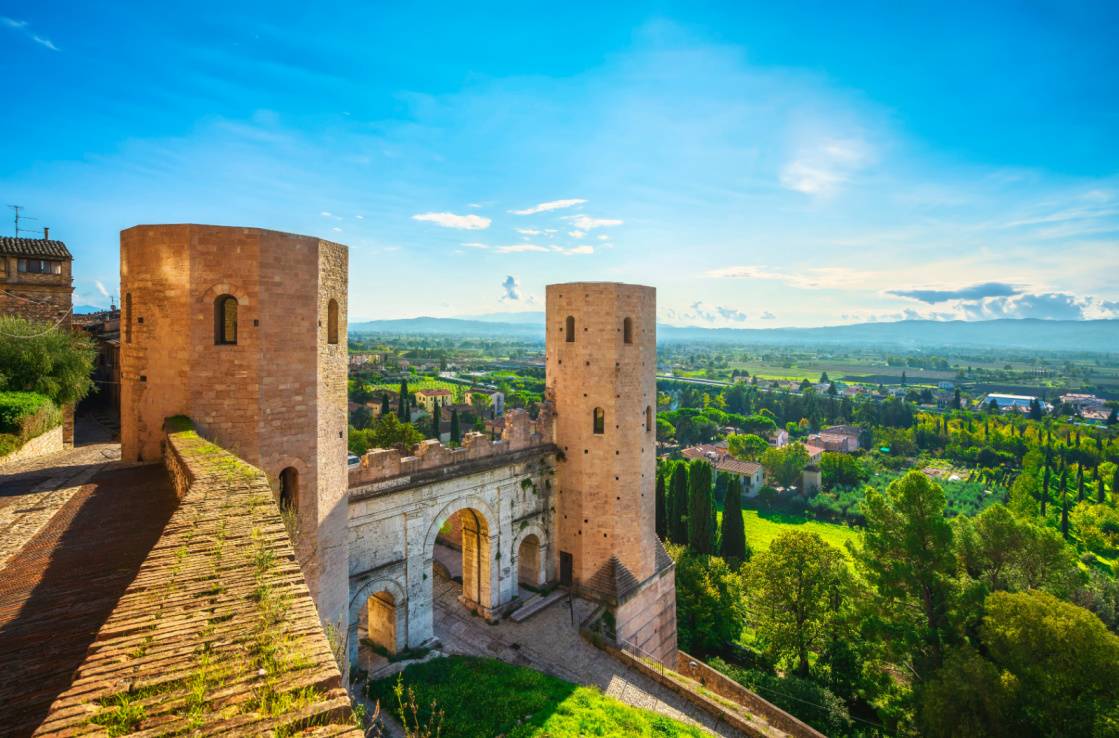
point(686, 514)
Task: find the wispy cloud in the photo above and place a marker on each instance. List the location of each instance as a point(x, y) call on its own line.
point(974, 292)
point(511, 289)
point(821, 169)
point(529, 232)
point(475, 245)
point(550, 205)
point(534, 248)
point(586, 223)
point(814, 278)
point(101, 288)
point(451, 220)
point(24, 28)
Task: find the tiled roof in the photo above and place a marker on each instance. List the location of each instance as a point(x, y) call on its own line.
point(433, 392)
point(33, 247)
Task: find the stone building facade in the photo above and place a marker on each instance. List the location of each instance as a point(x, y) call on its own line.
point(244, 331)
point(601, 379)
point(35, 279)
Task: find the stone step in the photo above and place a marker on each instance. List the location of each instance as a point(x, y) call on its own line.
point(536, 604)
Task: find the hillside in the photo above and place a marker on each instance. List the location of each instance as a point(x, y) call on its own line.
point(1030, 334)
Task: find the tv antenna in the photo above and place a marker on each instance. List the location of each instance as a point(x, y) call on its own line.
point(19, 218)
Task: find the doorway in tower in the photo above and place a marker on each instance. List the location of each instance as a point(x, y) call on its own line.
point(462, 564)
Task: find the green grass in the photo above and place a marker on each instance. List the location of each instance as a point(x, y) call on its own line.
point(762, 528)
point(457, 390)
point(482, 698)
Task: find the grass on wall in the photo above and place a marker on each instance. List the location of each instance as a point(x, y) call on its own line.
point(482, 698)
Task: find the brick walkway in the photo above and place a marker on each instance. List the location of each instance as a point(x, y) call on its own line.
point(550, 643)
point(64, 579)
point(32, 492)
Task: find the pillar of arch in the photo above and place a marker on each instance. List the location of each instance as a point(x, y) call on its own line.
point(378, 598)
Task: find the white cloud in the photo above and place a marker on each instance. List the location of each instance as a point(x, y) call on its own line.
point(529, 232)
point(603, 237)
point(821, 169)
point(327, 214)
point(768, 316)
point(576, 234)
point(451, 220)
point(585, 249)
point(360, 217)
point(511, 287)
point(101, 288)
point(731, 314)
point(814, 278)
point(521, 248)
point(587, 223)
point(475, 245)
point(24, 28)
point(550, 205)
point(336, 229)
point(708, 313)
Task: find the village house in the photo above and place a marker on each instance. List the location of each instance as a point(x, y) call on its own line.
point(426, 398)
point(35, 274)
point(749, 472)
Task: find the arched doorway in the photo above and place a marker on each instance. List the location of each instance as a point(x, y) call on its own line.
point(289, 488)
point(529, 566)
point(379, 618)
point(378, 623)
point(462, 558)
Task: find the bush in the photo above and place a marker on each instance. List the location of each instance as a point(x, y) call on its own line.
point(815, 705)
point(25, 415)
point(37, 358)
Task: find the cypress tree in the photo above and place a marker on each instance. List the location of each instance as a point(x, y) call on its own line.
point(384, 403)
point(1115, 483)
point(1101, 494)
point(402, 405)
point(701, 538)
point(1045, 487)
point(678, 504)
point(1079, 483)
point(662, 509)
point(435, 413)
point(733, 543)
point(1063, 489)
point(456, 432)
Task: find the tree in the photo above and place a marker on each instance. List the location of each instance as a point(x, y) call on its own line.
point(384, 403)
point(710, 602)
point(906, 555)
point(1008, 553)
point(956, 403)
point(840, 470)
point(37, 358)
point(1063, 490)
point(662, 509)
point(435, 413)
point(824, 378)
point(361, 417)
point(678, 504)
point(732, 542)
point(747, 447)
point(665, 430)
point(701, 534)
point(785, 465)
point(456, 431)
point(794, 587)
point(386, 432)
point(402, 402)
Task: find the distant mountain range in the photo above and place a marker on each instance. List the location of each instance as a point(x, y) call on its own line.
point(1100, 336)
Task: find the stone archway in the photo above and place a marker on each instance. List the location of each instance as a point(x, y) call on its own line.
point(378, 614)
point(531, 550)
point(474, 526)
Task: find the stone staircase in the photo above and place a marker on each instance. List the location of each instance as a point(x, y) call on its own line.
point(535, 604)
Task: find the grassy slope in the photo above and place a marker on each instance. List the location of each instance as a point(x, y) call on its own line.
point(482, 698)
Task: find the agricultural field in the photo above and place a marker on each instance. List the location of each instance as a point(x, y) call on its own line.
point(763, 527)
point(457, 390)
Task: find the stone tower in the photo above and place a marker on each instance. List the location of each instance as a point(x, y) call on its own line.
point(244, 331)
point(601, 369)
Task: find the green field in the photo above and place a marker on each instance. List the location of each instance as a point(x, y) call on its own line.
point(482, 698)
point(457, 390)
point(762, 528)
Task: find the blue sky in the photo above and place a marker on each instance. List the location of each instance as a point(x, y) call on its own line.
point(760, 164)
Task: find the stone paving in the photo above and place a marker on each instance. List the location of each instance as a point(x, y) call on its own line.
point(33, 491)
point(549, 641)
point(58, 589)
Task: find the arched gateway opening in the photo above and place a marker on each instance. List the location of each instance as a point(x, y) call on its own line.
point(462, 562)
point(530, 567)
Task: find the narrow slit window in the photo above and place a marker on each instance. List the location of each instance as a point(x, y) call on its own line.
point(599, 421)
point(225, 320)
point(649, 419)
point(627, 330)
point(332, 322)
point(128, 317)
point(570, 328)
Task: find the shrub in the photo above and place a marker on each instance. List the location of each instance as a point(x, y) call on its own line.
point(26, 415)
point(37, 358)
point(815, 705)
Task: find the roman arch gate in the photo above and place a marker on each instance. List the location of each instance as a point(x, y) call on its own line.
point(489, 500)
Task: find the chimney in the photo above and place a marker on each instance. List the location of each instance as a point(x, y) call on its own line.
point(46, 233)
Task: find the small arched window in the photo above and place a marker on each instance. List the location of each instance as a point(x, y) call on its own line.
point(599, 421)
point(128, 317)
point(332, 322)
point(570, 328)
point(225, 320)
point(627, 330)
point(649, 419)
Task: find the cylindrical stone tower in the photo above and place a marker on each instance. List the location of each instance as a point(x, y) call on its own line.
point(601, 362)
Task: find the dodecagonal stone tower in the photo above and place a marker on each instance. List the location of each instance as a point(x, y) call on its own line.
point(244, 330)
point(601, 379)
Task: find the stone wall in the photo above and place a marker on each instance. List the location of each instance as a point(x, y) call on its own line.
point(43, 298)
point(45, 443)
point(520, 432)
point(647, 620)
point(186, 645)
point(276, 398)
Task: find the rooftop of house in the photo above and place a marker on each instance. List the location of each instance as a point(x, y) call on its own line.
point(721, 460)
point(434, 392)
point(36, 248)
